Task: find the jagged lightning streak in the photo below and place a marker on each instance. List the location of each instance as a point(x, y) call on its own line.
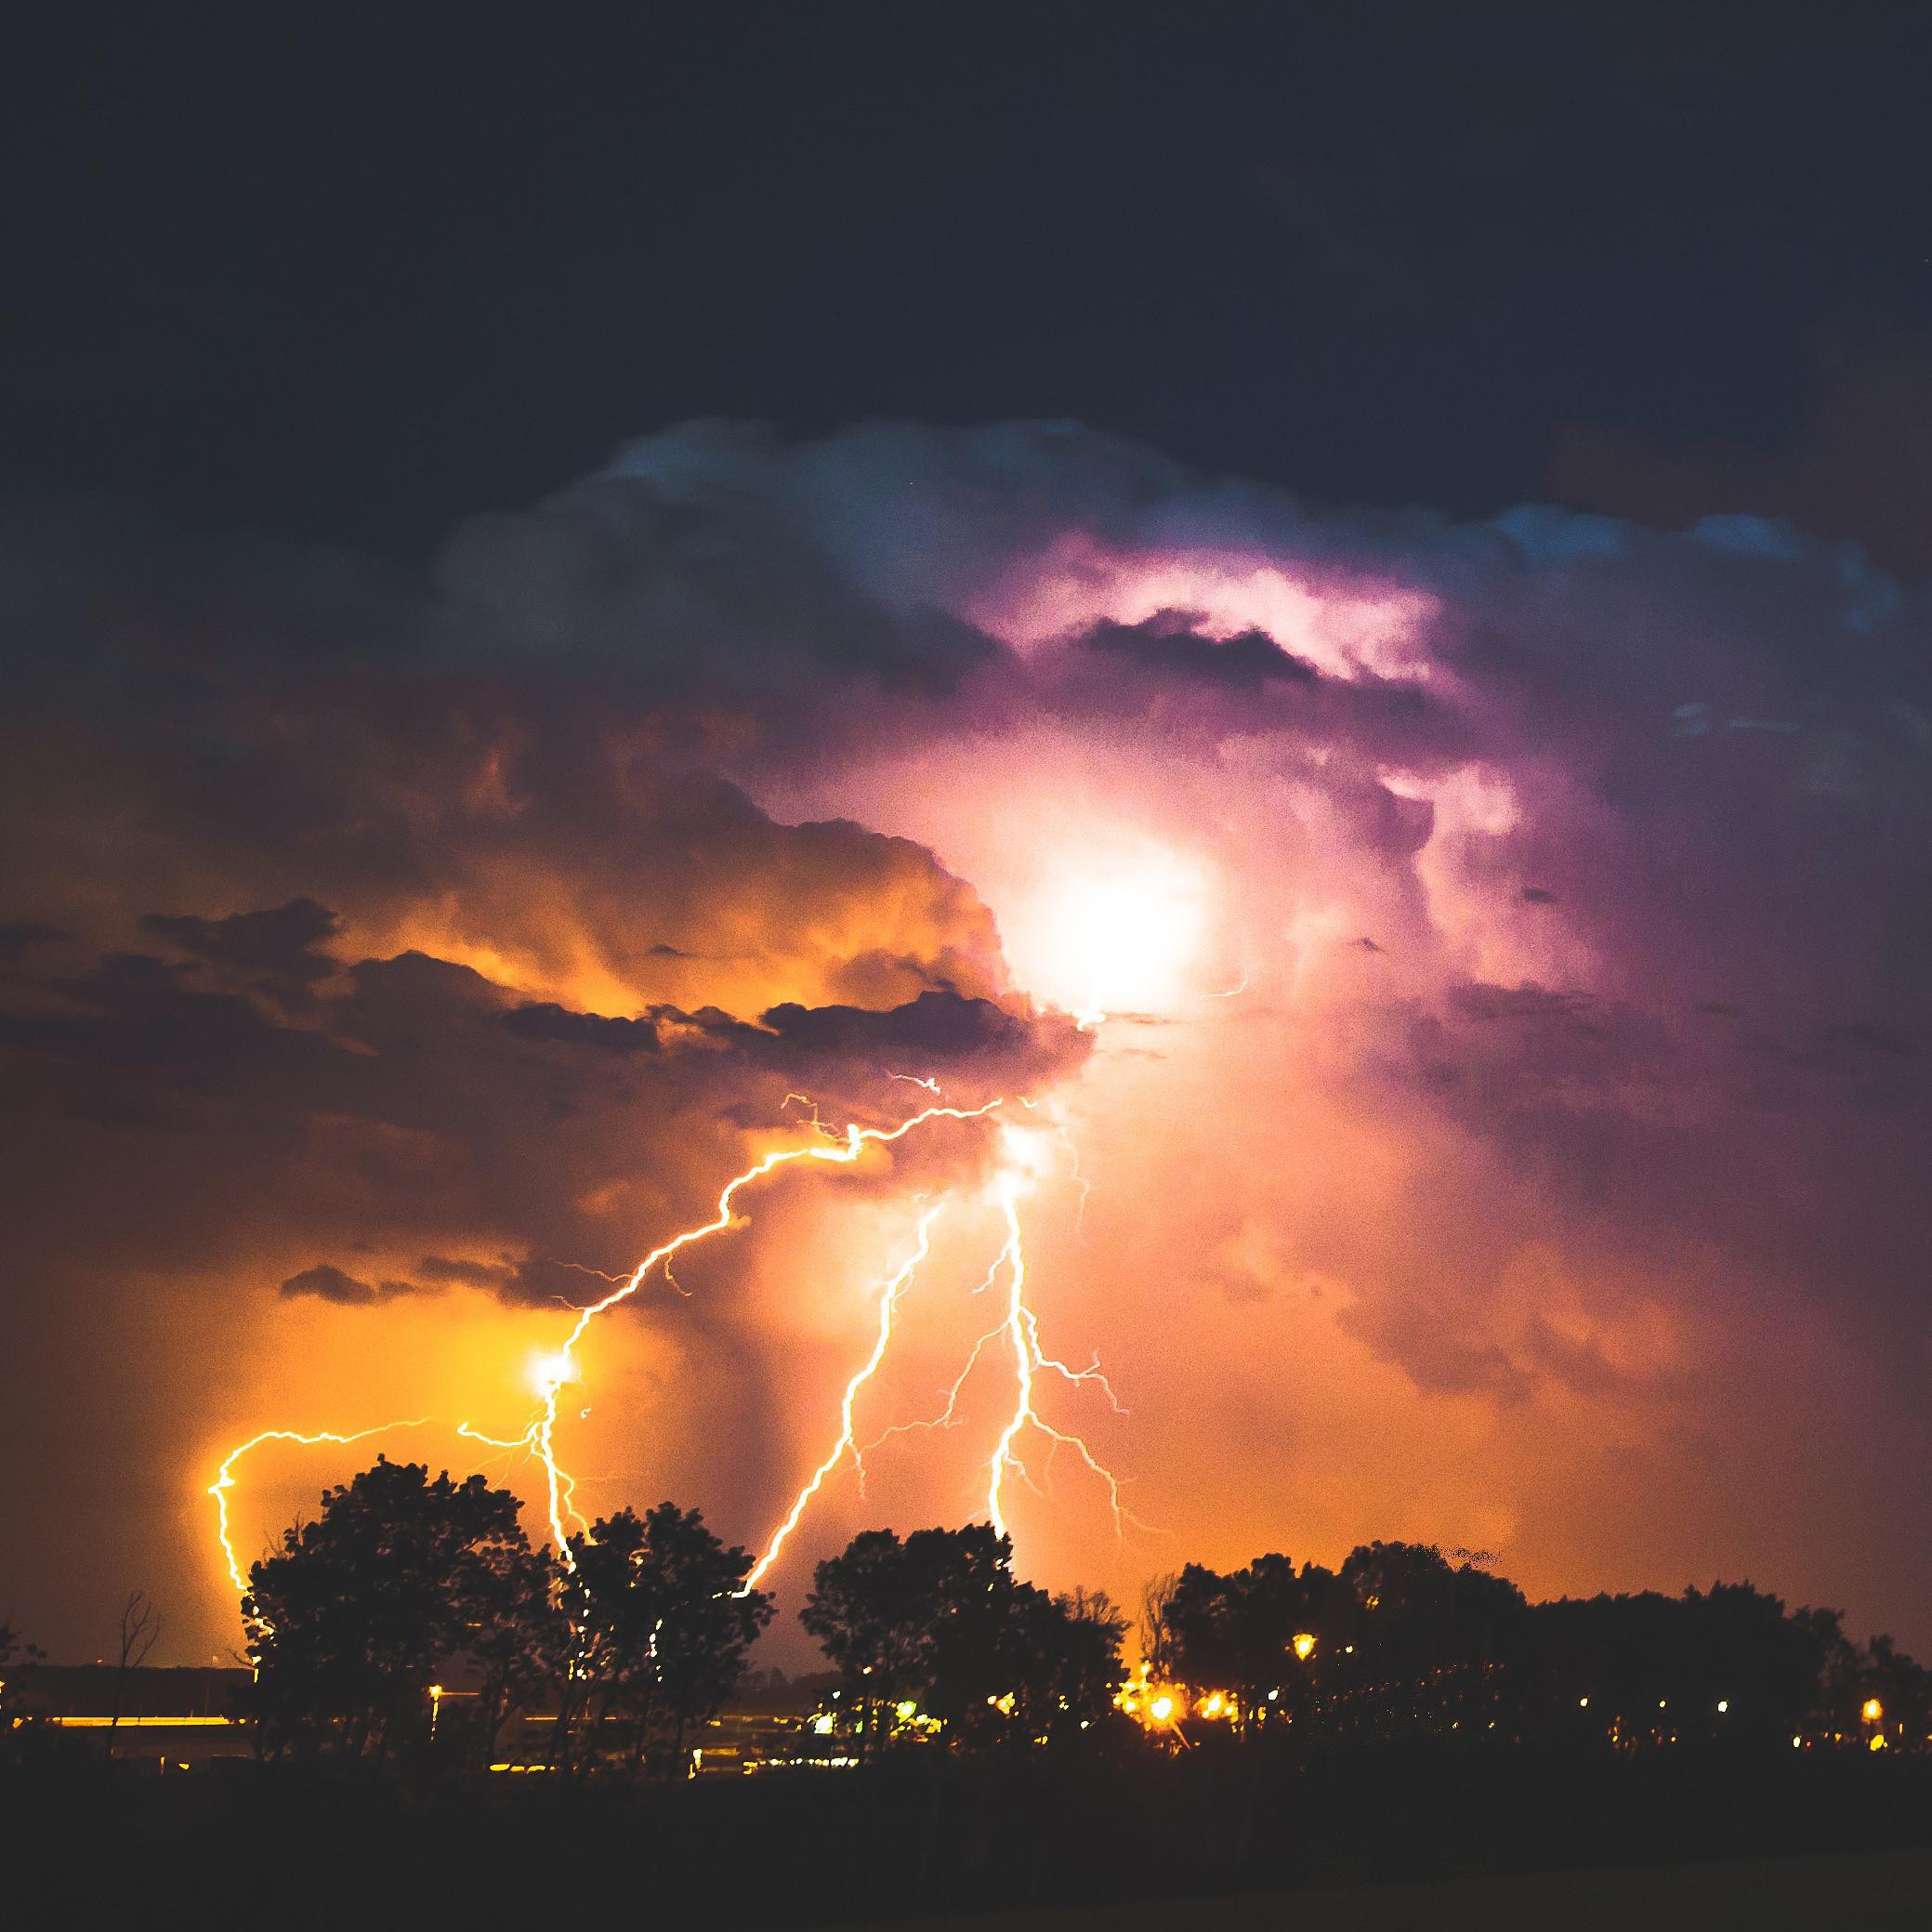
point(889, 1293)
point(948, 1417)
point(1019, 1325)
point(225, 1479)
point(562, 1366)
point(1021, 1329)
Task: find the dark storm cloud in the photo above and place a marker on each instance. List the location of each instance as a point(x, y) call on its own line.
point(22, 935)
point(938, 1028)
point(545, 1020)
point(499, 1276)
point(411, 1092)
point(700, 597)
point(327, 1282)
point(939, 1031)
point(279, 944)
point(1168, 646)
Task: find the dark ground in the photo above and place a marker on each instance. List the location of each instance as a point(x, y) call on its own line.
point(1850, 1892)
point(1480, 1833)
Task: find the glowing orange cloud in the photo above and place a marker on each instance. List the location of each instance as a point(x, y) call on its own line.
point(889, 1294)
point(1026, 1156)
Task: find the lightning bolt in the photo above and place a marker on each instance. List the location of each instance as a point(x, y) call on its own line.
point(225, 1479)
point(948, 1417)
point(889, 1293)
point(1021, 1329)
point(1079, 1179)
point(541, 1437)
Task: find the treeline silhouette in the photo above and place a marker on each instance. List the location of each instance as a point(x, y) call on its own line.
point(624, 1647)
point(636, 1641)
point(1400, 1641)
point(352, 1625)
point(1403, 1714)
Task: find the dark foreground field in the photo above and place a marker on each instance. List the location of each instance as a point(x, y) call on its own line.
point(1480, 1838)
point(1885, 1891)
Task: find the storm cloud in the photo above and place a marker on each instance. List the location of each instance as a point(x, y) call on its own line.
point(1534, 1118)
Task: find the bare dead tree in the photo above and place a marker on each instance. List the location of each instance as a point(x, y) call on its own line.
point(140, 1625)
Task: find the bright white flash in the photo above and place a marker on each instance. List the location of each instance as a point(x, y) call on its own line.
point(550, 1369)
point(1114, 929)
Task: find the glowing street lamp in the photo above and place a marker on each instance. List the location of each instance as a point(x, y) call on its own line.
point(1304, 1645)
point(1872, 1711)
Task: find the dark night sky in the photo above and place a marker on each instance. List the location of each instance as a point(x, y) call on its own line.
point(351, 272)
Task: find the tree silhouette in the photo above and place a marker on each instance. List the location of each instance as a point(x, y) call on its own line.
point(140, 1627)
point(939, 1619)
point(870, 1608)
point(19, 1725)
point(1069, 1664)
point(1237, 1633)
point(1440, 1646)
point(663, 1624)
point(364, 1609)
point(1878, 1671)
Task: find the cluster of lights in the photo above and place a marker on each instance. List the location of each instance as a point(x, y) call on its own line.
point(1160, 1705)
